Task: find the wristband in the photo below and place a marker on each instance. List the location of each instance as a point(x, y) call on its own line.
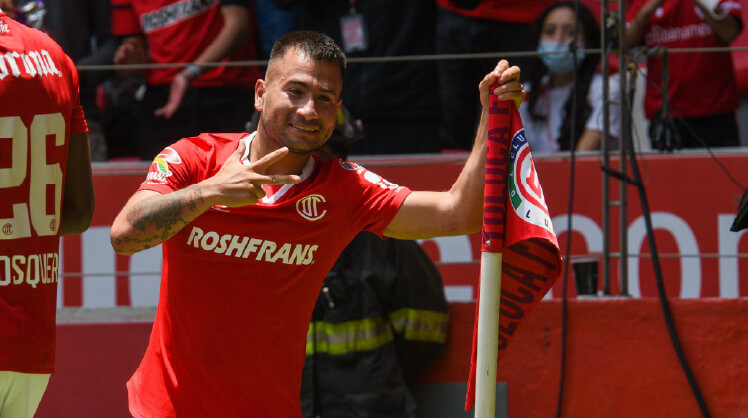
point(193, 71)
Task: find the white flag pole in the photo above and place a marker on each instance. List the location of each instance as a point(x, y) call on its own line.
point(488, 335)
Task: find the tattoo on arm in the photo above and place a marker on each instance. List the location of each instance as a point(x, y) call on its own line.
point(164, 217)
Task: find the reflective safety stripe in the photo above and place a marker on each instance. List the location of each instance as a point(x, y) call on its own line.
point(348, 337)
point(372, 333)
point(420, 325)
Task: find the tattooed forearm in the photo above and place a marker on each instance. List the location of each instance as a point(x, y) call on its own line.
point(153, 221)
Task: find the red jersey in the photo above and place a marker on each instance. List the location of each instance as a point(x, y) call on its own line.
point(701, 83)
point(239, 284)
point(517, 11)
point(178, 31)
point(39, 110)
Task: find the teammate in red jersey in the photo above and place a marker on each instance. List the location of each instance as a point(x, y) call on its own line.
point(250, 226)
point(47, 191)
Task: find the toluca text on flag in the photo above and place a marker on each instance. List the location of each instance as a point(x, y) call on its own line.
point(517, 224)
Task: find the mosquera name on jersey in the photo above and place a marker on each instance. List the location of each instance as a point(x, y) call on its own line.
point(32, 269)
point(41, 110)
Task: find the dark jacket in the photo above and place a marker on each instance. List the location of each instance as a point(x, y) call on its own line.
point(381, 318)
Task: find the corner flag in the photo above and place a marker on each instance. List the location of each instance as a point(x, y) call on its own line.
point(518, 240)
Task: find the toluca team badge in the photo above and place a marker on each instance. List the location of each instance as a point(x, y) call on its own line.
point(525, 193)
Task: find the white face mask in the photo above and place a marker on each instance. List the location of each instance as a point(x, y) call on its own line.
point(562, 61)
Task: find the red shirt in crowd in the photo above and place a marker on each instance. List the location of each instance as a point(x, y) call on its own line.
point(700, 83)
point(178, 32)
point(517, 11)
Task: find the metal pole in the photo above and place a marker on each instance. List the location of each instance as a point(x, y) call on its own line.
point(625, 132)
point(604, 149)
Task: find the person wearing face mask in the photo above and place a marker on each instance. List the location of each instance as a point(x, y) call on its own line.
point(547, 111)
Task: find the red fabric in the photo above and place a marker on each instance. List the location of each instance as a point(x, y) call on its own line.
point(39, 111)
point(516, 223)
point(517, 11)
point(700, 84)
point(177, 33)
point(238, 284)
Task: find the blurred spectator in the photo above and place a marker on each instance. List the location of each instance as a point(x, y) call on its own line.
point(547, 113)
point(476, 26)
point(703, 92)
point(272, 23)
point(379, 321)
point(398, 102)
point(82, 28)
point(185, 101)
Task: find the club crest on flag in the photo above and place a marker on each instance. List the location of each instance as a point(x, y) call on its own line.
point(525, 193)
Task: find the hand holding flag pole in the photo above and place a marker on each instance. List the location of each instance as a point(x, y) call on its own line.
point(516, 230)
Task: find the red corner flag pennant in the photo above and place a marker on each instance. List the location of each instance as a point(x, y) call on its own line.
point(516, 223)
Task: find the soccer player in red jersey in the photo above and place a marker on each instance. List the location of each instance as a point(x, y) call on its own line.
point(47, 191)
point(250, 226)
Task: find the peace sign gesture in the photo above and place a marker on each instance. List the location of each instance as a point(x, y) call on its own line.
point(240, 184)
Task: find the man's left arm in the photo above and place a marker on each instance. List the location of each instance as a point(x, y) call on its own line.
point(459, 210)
point(78, 201)
point(234, 34)
point(725, 28)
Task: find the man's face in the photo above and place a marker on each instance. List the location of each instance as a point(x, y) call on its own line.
point(299, 99)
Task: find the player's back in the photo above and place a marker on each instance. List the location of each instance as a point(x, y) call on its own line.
point(39, 109)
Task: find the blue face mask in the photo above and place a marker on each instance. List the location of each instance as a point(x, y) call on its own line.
point(561, 63)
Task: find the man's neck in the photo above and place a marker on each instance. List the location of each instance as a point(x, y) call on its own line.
point(292, 163)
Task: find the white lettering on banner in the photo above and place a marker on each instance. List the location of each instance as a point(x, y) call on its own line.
point(98, 265)
point(98, 257)
point(454, 249)
point(299, 254)
point(144, 288)
point(31, 269)
point(728, 266)
point(690, 268)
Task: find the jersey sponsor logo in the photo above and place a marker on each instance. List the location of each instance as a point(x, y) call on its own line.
point(29, 269)
point(4, 29)
point(37, 63)
point(349, 165)
point(661, 36)
point(242, 247)
point(309, 207)
point(369, 176)
point(174, 13)
point(160, 166)
point(525, 192)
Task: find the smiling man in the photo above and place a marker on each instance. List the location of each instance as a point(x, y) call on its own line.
point(252, 223)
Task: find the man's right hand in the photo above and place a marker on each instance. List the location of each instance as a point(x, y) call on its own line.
point(239, 184)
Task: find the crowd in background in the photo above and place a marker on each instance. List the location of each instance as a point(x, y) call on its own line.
point(418, 105)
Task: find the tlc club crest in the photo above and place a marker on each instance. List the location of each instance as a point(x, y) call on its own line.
point(525, 192)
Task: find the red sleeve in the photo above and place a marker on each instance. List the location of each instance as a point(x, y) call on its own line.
point(78, 123)
point(380, 200)
point(177, 166)
point(633, 9)
point(124, 20)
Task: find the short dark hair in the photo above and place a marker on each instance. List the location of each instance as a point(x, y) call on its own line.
point(315, 45)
